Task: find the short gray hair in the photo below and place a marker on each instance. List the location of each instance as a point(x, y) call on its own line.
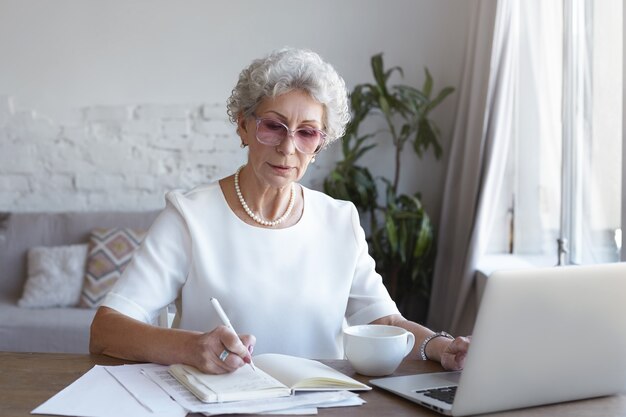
point(290, 69)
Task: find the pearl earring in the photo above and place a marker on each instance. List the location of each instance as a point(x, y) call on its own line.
point(313, 160)
point(243, 145)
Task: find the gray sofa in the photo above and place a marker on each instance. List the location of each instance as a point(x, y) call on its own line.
point(49, 329)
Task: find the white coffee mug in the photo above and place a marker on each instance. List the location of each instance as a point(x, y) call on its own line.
point(375, 349)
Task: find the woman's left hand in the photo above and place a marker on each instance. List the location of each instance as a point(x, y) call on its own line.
point(453, 355)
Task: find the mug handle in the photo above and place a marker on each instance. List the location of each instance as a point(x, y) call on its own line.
point(410, 342)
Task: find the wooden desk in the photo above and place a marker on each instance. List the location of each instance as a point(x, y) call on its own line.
point(29, 379)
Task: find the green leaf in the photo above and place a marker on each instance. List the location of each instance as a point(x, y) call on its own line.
point(424, 238)
point(405, 131)
point(426, 137)
point(390, 71)
point(360, 140)
point(428, 83)
point(440, 97)
point(336, 176)
point(364, 150)
point(379, 74)
point(390, 193)
point(406, 215)
point(384, 106)
point(415, 203)
point(411, 93)
point(390, 227)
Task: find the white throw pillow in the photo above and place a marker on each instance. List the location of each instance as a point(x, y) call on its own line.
point(55, 276)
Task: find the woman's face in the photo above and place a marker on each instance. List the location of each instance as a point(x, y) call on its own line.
point(280, 165)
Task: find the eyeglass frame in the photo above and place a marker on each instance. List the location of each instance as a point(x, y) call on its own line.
point(291, 133)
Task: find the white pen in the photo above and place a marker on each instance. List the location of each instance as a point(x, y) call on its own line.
point(225, 321)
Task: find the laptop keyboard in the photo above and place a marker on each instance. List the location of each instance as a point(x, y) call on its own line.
point(445, 394)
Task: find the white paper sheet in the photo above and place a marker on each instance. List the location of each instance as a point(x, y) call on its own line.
point(143, 389)
point(350, 402)
point(98, 394)
point(300, 411)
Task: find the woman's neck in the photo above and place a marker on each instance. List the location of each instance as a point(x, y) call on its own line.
point(262, 205)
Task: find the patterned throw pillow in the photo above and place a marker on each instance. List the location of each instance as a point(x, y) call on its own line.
point(110, 251)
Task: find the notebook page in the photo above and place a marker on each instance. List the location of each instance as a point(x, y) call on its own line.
point(294, 372)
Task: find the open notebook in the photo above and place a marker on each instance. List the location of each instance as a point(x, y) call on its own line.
point(275, 376)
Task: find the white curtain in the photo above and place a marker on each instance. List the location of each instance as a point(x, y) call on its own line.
point(483, 128)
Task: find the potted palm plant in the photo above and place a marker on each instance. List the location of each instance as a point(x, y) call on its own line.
point(401, 237)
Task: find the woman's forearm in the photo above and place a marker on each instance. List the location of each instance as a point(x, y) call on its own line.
point(117, 335)
point(434, 348)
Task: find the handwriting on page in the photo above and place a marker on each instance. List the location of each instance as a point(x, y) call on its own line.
point(165, 377)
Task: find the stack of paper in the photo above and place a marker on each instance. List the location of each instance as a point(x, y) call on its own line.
point(152, 390)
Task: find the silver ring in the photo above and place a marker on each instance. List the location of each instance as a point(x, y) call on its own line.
point(224, 355)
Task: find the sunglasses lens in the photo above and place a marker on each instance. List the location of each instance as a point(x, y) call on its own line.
point(272, 132)
point(308, 140)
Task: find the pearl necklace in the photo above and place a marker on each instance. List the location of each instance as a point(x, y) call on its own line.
point(255, 216)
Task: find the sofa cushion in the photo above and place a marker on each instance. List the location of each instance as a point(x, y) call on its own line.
point(64, 329)
point(55, 276)
point(110, 250)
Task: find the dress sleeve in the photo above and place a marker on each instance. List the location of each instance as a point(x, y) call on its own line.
point(158, 270)
point(369, 299)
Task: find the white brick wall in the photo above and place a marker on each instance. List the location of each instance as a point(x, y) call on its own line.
point(119, 157)
point(112, 157)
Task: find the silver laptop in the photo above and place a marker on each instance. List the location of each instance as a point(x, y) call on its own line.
point(541, 336)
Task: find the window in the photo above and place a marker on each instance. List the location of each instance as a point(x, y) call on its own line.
point(563, 180)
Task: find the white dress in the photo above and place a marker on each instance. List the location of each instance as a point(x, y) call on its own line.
point(293, 288)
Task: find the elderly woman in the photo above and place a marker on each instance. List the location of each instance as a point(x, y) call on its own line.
point(288, 264)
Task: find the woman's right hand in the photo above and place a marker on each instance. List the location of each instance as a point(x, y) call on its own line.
point(205, 355)
point(117, 335)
